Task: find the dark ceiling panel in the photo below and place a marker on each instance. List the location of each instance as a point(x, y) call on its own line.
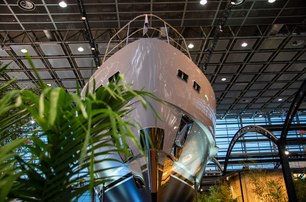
point(219, 87)
point(252, 68)
point(236, 57)
point(286, 77)
point(266, 77)
point(230, 69)
point(221, 45)
point(245, 77)
point(272, 43)
point(277, 85)
point(285, 56)
point(275, 67)
point(215, 58)
point(258, 86)
point(261, 57)
point(210, 69)
point(262, 100)
point(303, 57)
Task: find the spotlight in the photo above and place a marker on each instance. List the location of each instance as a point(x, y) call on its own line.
point(190, 46)
point(83, 18)
point(280, 99)
point(93, 48)
point(223, 79)
point(203, 2)
point(244, 44)
point(80, 49)
point(271, 1)
point(24, 50)
point(62, 4)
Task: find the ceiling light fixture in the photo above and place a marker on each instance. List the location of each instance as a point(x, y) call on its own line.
point(244, 44)
point(271, 1)
point(62, 4)
point(223, 79)
point(83, 18)
point(296, 43)
point(260, 115)
point(190, 46)
point(49, 84)
point(237, 2)
point(280, 99)
point(32, 121)
point(26, 5)
point(80, 49)
point(93, 48)
point(24, 50)
point(203, 2)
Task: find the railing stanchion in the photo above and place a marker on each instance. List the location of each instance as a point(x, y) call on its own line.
point(166, 32)
point(127, 36)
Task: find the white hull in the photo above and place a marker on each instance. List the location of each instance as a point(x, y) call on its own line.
point(184, 134)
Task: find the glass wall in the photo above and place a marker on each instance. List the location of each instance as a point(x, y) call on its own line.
point(253, 149)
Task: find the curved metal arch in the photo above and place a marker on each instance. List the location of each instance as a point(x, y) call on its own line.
point(298, 99)
point(243, 131)
point(217, 163)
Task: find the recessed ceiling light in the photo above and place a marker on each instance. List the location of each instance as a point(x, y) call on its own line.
point(83, 18)
point(260, 115)
point(190, 46)
point(26, 5)
point(62, 4)
point(280, 99)
point(24, 50)
point(203, 2)
point(244, 44)
point(296, 43)
point(237, 2)
point(80, 49)
point(223, 79)
point(271, 1)
point(93, 49)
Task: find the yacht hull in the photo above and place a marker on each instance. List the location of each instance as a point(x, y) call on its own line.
point(183, 136)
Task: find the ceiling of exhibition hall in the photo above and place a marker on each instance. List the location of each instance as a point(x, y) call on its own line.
point(253, 53)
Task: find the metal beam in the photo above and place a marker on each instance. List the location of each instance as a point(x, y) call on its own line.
point(94, 49)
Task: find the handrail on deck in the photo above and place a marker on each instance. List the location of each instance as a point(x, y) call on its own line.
point(126, 40)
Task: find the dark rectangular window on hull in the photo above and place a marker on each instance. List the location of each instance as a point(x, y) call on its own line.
point(182, 75)
point(196, 87)
point(115, 78)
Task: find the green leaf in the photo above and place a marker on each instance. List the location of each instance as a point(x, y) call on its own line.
point(54, 103)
